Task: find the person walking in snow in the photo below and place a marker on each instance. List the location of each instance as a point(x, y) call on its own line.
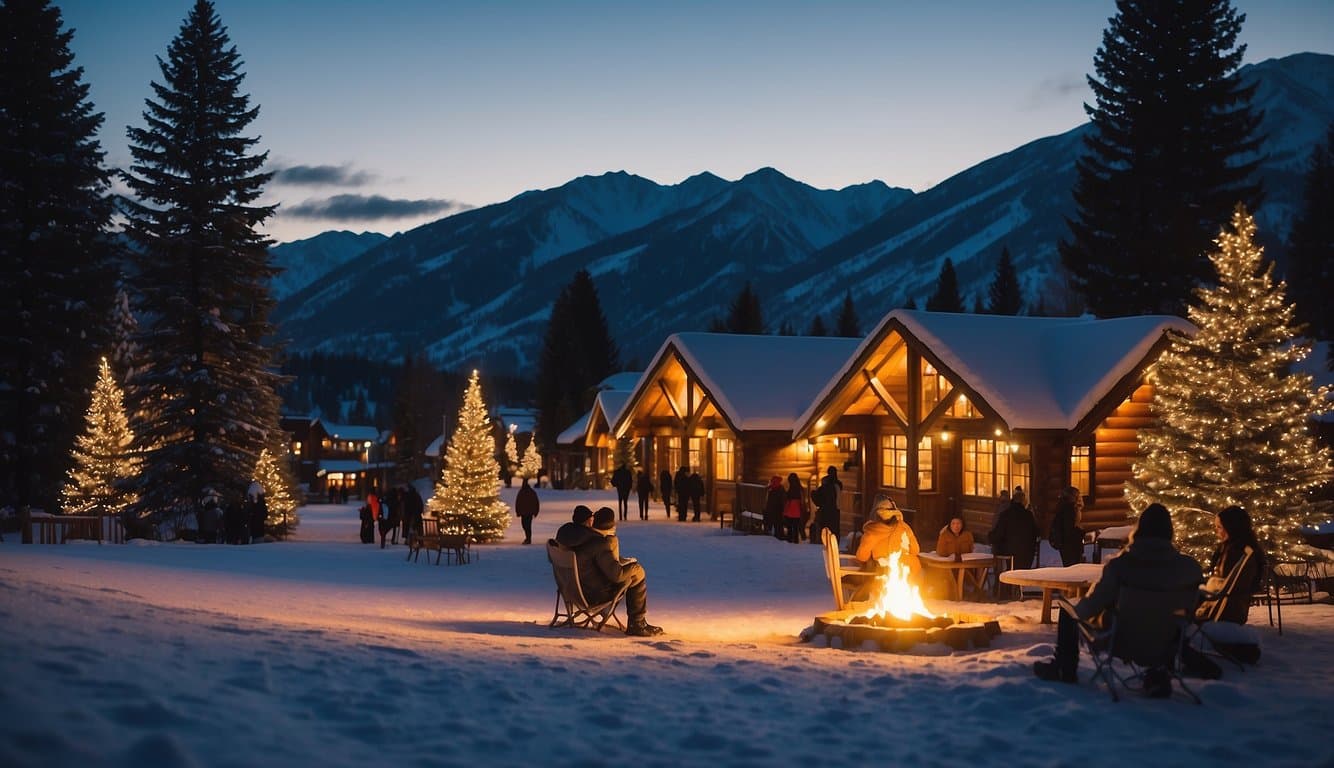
point(622, 481)
point(665, 488)
point(696, 493)
point(526, 506)
point(257, 512)
point(826, 505)
point(773, 508)
point(643, 489)
point(682, 485)
point(794, 505)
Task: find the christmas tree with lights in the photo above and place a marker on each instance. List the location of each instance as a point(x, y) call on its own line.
point(103, 459)
point(512, 465)
point(279, 492)
point(1233, 417)
point(467, 498)
point(531, 465)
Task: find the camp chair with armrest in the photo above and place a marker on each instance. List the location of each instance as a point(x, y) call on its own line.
point(1144, 630)
point(1214, 603)
point(578, 611)
point(843, 571)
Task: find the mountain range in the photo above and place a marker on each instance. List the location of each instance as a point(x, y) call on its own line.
point(476, 288)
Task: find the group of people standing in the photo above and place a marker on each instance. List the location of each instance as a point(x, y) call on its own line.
point(787, 510)
point(237, 524)
point(685, 489)
point(398, 509)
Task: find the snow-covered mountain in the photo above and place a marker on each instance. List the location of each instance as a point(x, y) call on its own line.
point(477, 287)
point(303, 261)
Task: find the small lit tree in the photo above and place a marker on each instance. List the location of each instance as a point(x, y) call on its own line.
point(1233, 418)
point(103, 459)
point(511, 457)
point(625, 453)
point(531, 466)
point(467, 498)
point(279, 487)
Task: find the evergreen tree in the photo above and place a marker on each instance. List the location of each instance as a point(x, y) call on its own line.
point(467, 498)
point(1170, 153)
point(946, 298)
point(910, 303)
point(1312, 247)
point(848, 326)
point(417, 414)
point(577, 354)
point(1233, 418)
point(511, 466)
point(817, 327)
point(124, 327)
point(1004, 291)
point(103, 458)
point(718, 325)
point(280, 492)
point(745, 315)
point(786, 329)
point(530, 466)
point(207, 393)
point(624, 452)
point(56, 260)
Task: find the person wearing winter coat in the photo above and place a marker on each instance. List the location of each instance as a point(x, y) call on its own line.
point(682, 485)
point(665, 488)
point(526, 505)
point(954, 539)
point(367, 524)
point(209, 520)
point(885, 533)
point(256, 513)
point(1065, 535)
point(602, 572)
point(643, 489)
point(696, 493)
point(390, 512)
point(1016, 532)
point(825, 499)
point(1235, 533)
point(1148, 562)
point(578, 531)
point(622, 481)
point(794, 506)
point(774, 497)
point(413, 510)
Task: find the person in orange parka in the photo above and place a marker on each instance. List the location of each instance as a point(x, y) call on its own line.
point(886, 532)
point(954, 539)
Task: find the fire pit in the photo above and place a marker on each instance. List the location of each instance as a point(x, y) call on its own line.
point(896, 619)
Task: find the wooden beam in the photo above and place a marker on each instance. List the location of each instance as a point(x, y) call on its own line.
point(895, 411)
point(894, 348)
point(939, 410)
point(671, 401)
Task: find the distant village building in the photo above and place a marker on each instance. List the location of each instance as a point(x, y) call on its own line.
point(581, 457)
point(332, 458)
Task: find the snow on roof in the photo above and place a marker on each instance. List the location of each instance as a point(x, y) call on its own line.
point(343, 465)
point(433, 450)
point(1036, 372)
point(356, 432)
point(623, 382)
point(574, 434)
point(759, 382)
point(522, 419)
point(611, 402)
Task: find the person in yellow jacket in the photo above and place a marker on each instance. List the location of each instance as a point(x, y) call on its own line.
point(887, 532)
point(954, 539)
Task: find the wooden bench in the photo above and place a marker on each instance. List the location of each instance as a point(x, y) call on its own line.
point(58, 529)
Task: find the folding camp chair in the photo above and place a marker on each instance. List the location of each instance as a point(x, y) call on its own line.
point(845, 576)
point(578, 611)
point(1145, 630)
point(1213, 604)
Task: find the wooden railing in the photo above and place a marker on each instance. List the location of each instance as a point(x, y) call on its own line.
point(58, 529)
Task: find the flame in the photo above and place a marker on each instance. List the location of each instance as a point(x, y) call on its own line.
point(896, 595)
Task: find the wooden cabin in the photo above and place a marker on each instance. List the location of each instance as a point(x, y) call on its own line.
point(946, 410)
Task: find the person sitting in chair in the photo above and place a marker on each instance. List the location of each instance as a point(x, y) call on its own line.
point(1148, 562)
point(578, 531)
point(954, 539)
point(886, 532)
point(1235, 533)
point(602, 572)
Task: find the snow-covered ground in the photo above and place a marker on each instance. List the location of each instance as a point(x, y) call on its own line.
point(323, 651)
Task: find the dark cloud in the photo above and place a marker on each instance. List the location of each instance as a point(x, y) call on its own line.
point(312, 175)
point(368, 208)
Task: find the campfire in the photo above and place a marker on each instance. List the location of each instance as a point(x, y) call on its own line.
point(896, 618)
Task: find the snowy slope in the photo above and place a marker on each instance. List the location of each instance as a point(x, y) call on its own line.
point(303, 261)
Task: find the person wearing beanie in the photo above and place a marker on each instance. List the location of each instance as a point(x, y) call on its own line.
point(602, 573)
point(886, 532)
point(579, 530)
point(1015, 532)
point(1148, 562)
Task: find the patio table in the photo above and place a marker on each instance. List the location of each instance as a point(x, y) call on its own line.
point(973, 565)
point(1072, 581)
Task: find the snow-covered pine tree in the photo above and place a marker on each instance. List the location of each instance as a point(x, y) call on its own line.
point(1232, 416)
point(275, 477)
point(512, 466)
point(56, 259)
point(207, 391)
point(467, 498)
point(124, 328)
point(103, 457)
point(848, 325)
point(531, 465)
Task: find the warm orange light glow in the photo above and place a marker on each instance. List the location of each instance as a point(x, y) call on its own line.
point(896, 595)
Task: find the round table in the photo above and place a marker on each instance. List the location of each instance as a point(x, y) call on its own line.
point(1072, 581)
point(975, 563)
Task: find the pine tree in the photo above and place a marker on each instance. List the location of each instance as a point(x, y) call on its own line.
point(946, 298)
point(1312, 246)
point(511, 466)
point(1004, 290)
point(624, 452)
point(124, 327)
point(103, 458)
point(1168, 156)
point(577, 354)
point(1233, 418)
point(745, 314)
point(817, 327)
point(57, 263)
point(467, 498)
point(531, 464)
point(207, 392)
point(848, 326)
point(280, 489)
point(786, 329)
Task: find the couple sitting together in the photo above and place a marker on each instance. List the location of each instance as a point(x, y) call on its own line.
point(602, 570)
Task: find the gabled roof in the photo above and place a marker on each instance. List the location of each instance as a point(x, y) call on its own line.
point(607, 408)
point(355, 432)
point(756, 382)
point(1035, 372)
point(522, 419)
point(621, 382)
point(574, 434)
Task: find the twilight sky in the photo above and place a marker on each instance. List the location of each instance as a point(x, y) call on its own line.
point(385, 114)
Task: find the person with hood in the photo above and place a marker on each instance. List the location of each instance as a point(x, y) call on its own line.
point(622, 481)
point(1016, 532)
point(1065, 535)
point(682, 485)
point(390, 512)
point(665, 488)
point(774, 497)
point(954, 539)
point(209, 520)
point(602, 573)
point(1148, 562)
point(826, 505)
point(885, 533)
point(794, 506)
point(526, 506)
point(256, 512)
point(643, 489)
point(413, 510)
